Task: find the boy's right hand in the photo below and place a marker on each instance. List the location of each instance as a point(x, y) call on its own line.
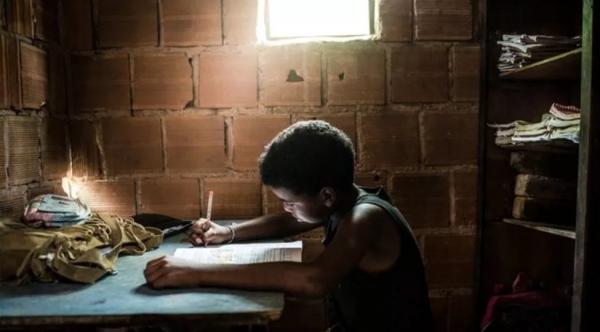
point(204, 232)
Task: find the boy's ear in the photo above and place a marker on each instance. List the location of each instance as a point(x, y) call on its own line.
point(328, 196)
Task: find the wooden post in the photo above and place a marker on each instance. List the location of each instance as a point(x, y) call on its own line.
point(586, 288)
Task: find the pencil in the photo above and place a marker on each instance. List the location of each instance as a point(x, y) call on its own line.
point(209, 207)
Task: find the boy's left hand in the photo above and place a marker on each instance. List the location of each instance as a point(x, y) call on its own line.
point(170, 271)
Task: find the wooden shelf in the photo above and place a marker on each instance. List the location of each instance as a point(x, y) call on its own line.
point(555, 146)
point(565, 66)
point(563, 231)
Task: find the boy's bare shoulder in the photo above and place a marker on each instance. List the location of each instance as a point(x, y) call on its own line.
point(372, 228)
point(365, 219)
point(367, 214)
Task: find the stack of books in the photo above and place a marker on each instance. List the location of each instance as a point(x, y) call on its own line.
point(560, 123)
point(545, 188)
point(51, 210)
point(519, 50)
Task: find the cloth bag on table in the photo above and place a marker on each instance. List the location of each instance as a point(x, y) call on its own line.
point(81, 253)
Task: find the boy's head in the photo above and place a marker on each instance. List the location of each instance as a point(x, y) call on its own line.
point(308, 156)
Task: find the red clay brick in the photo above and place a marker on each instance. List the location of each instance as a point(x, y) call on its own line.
point(396, 20)
point(419, 74)
point(114, 197)
point(85, 156)
point(228, 79)
point(3, 160)
point(465, 197)
point(34, 76)
point(13, 72)
point(191, 22)
point(371, 179)
point(465, 73)
point(291, 75)
point(54, 149)
point(443, 20)
point(12, 205)
point(179, 198)
point(388, 140)
point(356, 77)
point(233, 198)
point(127, 23)
point(57, 94)
point(462, 317)
point(132, 145)
point(272, 203)
point(195, 144)
point(162, 82)
point(251, 134)
point(423, 198)
point(77, 21)
point(4, 103)
point(449, 260)
point(450, 138)
point(439, 309)
point(100, 83)
point(45, 19)
point(23, 150)
point(345, 122)
point(239, 21)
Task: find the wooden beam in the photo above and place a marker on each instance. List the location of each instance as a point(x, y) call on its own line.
point(586, 288)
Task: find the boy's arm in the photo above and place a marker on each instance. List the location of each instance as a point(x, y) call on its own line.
point(270, 226)
point(276, 225)
point(354, 237)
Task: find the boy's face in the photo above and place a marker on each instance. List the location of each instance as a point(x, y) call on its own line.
point(304, 208)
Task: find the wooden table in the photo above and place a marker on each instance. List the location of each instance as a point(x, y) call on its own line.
point(124, 299)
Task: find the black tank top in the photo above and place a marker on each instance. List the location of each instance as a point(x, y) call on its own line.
point(394, 300)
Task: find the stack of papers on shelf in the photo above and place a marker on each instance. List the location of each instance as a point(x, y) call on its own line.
point(521, 50)
point(560, 123)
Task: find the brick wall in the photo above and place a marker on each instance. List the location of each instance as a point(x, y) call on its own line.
point(33, 134)
point(168, 99)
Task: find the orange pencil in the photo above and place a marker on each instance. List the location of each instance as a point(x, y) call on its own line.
point(209, 207)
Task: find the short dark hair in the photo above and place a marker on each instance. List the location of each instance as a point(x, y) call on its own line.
point(307, 156)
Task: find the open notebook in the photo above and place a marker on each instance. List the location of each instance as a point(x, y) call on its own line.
point(244, 253)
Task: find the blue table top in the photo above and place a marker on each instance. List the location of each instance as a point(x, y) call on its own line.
point(125, 298)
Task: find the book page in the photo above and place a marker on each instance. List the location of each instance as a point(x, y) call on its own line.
point(244, 253)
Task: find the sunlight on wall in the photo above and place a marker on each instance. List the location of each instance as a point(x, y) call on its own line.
point(318, 18)
point(71, 186)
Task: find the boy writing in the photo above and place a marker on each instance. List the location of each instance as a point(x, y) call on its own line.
point(371, 266)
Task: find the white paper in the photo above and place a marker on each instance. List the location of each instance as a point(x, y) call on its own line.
point(244, 253)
